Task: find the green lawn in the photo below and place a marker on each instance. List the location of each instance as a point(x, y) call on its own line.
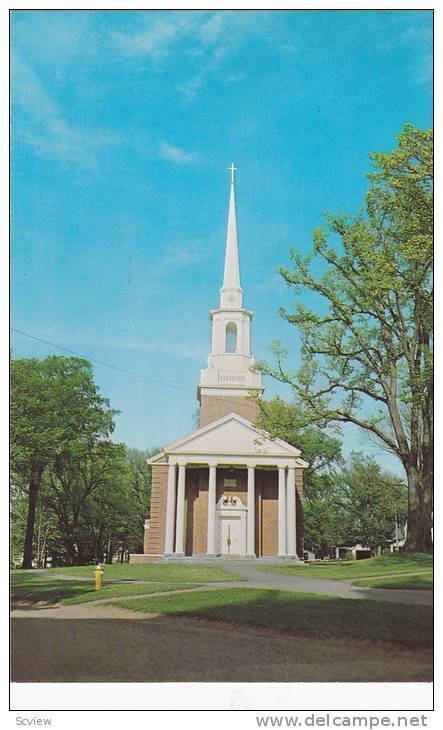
point(373, 567)
point(34, 587)
point(420, 582)
point(169, 572)
point(299, 612)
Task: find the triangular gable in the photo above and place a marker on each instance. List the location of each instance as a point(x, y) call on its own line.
point(230, 434)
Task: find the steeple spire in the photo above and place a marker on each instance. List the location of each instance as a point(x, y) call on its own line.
point(231, 291)
point(226, 382)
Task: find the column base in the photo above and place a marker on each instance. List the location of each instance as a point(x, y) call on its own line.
point(250, 555)
point(179, 555)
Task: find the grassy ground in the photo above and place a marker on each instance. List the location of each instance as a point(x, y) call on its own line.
point(421, 582)
point(373, 567)
point(310, 614)
point(33, 587)
point(169, 572)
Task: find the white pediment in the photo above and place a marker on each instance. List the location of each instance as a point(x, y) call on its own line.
point(231, 435)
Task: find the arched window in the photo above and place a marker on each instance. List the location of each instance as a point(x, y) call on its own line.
point(231, 337)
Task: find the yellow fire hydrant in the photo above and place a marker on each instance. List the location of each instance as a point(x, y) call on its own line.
point(98, 577)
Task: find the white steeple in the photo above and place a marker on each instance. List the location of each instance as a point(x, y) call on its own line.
point(231, 291)
point(230, 361)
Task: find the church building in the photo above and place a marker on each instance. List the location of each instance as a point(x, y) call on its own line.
point(228, 488)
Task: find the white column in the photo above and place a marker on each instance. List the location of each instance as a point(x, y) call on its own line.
point(170, 511)
point(281, 510)
point(250, 530)
point(290, 506)
point(210, 549)
point(180, 525)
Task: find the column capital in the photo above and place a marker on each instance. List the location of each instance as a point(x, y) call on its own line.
point(213, 463)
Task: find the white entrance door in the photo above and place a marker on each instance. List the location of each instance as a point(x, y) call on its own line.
point(231, 526)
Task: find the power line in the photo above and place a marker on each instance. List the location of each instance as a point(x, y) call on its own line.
point(101, 362)
point(116, 367)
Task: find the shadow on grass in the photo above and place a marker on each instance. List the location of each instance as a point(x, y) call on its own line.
point(157, 650)
point(300, 612)
point(35, 588)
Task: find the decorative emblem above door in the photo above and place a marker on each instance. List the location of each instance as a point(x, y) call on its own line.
point(231, 526)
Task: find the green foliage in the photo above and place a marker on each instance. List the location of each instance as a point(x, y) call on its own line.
point(322, 501)
point(374, 502)
point(75, 494)
point(56, 411)
point(367, 353)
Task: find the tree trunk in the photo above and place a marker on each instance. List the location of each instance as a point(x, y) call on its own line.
point(419, 534)
point(109, 552)
point(34, 486)
point(70, 550)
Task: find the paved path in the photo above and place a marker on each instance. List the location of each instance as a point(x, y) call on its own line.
point(259, 578)
point(253, 577)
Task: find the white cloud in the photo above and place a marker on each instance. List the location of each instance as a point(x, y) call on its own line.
point(155, 40)
point(40, 123)
point(212, 28)
point(175, 154)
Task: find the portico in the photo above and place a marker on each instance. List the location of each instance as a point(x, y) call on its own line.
point(230, 472)
point(175, 511)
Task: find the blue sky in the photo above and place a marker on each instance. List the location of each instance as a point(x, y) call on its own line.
point(124, 124)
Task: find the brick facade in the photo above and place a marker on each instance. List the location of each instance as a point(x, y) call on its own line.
point(196, 508)
point(159, 486)
point(213, 407)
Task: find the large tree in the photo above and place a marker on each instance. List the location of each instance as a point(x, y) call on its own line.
point(55, 409)
point(367, 346)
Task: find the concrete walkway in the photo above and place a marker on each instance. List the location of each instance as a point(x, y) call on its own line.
point(250, 576)
point(259, 578)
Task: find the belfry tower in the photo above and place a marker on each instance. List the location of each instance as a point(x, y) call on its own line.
point(226, 383)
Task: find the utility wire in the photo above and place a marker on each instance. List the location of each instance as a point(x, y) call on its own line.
point(100, 362)
point(116, 367)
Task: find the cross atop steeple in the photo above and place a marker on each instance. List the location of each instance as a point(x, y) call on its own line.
point(231, 291)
